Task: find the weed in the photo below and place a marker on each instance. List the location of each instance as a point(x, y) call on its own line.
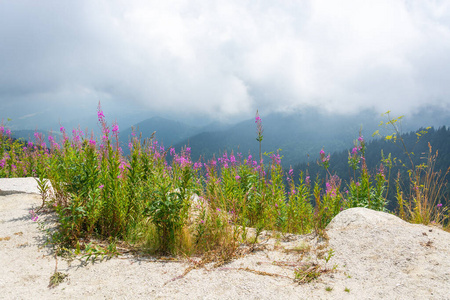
point(303, 247)
point(329, 255)
point(93, 251)
point(307, 273)
point(168, 212)
point(422, 203)
point(44, 189)
point(56, 279)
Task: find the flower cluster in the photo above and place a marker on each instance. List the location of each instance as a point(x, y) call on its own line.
point(308, 180)
point(276, 159)
point(332, 186)
point(259, 128)
point(290, 175)
point(381, 171)
point(34, 216)
point(324, 159)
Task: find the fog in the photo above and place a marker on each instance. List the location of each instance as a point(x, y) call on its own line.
point(203, 61)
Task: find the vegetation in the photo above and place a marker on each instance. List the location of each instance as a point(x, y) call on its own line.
point(281, 131)
point(160, 201)
point(408, 162)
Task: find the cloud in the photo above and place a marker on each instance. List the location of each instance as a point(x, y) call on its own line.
point(226, 59)
point(28, 116)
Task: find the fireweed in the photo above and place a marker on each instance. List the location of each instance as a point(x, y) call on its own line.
point(363, 190)
point(160, 200)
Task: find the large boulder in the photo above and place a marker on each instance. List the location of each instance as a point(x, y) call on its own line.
point(360, 217)
point(386, 257)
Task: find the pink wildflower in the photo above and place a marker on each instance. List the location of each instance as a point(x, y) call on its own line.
point(34, 216)
point(100, 115)
point(308, 180)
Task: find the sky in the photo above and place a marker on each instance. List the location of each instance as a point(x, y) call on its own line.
point(220, 60)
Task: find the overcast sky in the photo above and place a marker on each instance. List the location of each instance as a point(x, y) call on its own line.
point(221, 59)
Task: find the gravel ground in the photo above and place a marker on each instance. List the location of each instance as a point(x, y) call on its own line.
point(376, 255)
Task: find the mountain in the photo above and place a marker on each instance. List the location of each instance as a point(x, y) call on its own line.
point(302, 134)
point(167, 132)
point(297, 135)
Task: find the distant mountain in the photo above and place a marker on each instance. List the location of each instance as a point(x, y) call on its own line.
point(297, 135)
point(167, 132)
point(300, 135)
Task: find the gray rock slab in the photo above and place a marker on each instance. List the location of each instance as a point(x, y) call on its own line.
point(10, 186)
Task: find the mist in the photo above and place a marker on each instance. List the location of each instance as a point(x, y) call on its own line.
point(202, 62)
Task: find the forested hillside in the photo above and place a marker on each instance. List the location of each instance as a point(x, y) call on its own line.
point(297, 135)
point(418, 147)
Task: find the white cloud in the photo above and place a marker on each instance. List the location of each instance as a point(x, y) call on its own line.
point(225, 59)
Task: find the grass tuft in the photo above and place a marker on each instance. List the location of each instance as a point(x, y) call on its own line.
point(56, 279)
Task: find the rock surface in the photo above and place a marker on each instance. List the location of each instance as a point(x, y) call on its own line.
point(377, 256)
point(18, 185)
point(387, 257)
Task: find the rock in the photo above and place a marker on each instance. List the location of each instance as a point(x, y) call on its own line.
point(363, 217)
point(385, 257)
point(10, 186)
